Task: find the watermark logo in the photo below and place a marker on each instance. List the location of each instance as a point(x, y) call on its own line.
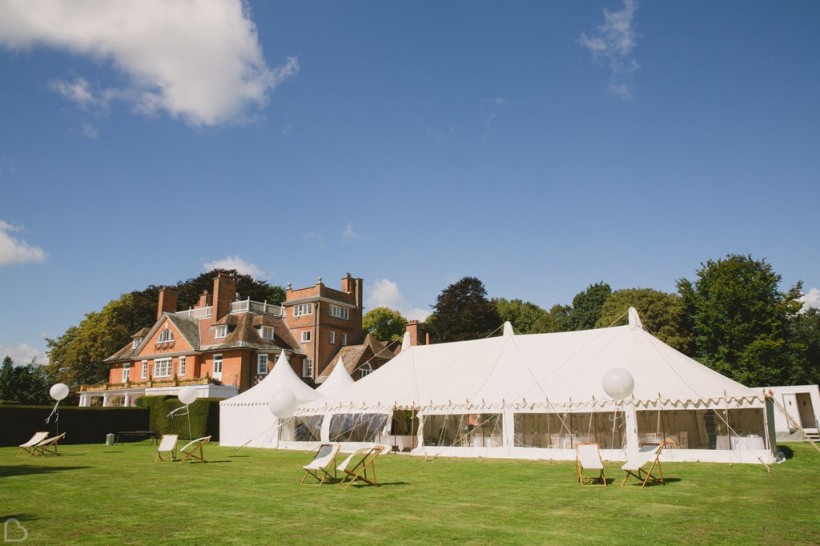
point(13, 531)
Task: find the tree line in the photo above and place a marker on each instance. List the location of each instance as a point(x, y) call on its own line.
point(733, 317)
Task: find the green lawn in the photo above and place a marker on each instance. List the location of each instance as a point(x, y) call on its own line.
point(117, 494)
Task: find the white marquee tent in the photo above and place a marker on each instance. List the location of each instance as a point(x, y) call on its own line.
point(247, 419)
point(537, 396)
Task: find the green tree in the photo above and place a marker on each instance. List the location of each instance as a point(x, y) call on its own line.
point(384, 324)
point(741, 321)
point(462, 312)
point(660, 313)
point(560, 317)
point(806, 332)
point(586, 307)
point(188, 291)
point(24, 384)
point(525, 317)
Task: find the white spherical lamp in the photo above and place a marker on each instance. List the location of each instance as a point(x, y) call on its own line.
point(58, 391)
point(618, 383)
point(187, 395)
point(282, 404)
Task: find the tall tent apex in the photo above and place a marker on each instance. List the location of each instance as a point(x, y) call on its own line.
point(405, 341)
point(634, 319)
point(508, 329)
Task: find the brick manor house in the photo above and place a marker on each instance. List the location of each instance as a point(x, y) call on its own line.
point(224, 346)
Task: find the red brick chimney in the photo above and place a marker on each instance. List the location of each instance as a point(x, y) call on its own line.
point(167, 301)
point(224, 294)
point(413, 329)
point(353, 286)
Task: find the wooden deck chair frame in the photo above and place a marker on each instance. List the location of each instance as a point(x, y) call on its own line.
point(363, 460)
point(48, 446)
point(28, 447)
point(193, 450)
point(588, 457)
point(168, 444)
point(634, 467)
point(324, 460)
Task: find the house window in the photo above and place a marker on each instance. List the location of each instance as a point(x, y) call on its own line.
point(344, 338)
point(307, 368)
point(306, 336)
point(333, 338)
point(145, 369)
point(302, 309)
point(162, 367)
point(221, 330)
point(136, 342)
point(181, 372)
point(340, 312)
point(165, 336)
point(126, 372)
point(262, 364)
point(365, 369)
point(217, 367)
point(266, 332)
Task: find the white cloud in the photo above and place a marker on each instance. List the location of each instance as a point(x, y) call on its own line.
point(22, 353)
point(237, 263)
point(613, 44)
point(15, 251)
point(349, 233)
point(385, 293)
point(811, 299)
point(88, 130)
point(197, 60)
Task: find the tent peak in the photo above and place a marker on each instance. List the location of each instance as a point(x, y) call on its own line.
point(508, 329)
point(634, 319)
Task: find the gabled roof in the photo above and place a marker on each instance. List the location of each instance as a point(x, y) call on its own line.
point(355, 356)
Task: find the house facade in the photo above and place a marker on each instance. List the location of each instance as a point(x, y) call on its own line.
point(224, 346)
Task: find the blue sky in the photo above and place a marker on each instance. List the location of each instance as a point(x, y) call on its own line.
point(539, 146)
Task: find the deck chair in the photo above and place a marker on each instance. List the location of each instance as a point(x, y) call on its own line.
point(193, 450)
point(48, 446)
point(649, 454)
point(167, 445)
point(323, 461)
point(357, 464)
point(28, 447)
point(588, 457)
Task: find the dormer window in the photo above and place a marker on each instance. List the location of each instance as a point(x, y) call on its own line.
point(166, 335)
point(220, 330)
point(266, 332)
point(136, 342)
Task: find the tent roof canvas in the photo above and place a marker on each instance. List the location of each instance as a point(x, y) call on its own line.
point(281, 379)
point(534, 372)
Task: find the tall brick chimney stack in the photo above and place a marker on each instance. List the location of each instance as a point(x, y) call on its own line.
point(413, 329)
point(167, 302)
point(354, 286)
point(224, 294)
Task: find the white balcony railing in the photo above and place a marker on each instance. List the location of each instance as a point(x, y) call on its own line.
point(198, 313)
point(263, 307)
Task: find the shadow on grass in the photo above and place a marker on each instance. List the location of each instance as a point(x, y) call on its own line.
point(786, 451)
point(650, 483)
point(18, 517)
point(363, 485)
point(27, 469)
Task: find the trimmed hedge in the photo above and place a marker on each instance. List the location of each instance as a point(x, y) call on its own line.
point(203, 413)
point(81, 425)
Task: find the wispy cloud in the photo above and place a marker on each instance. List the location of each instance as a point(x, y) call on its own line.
point(317, 238)
point(385, 293)
point(237, 263)
point(22, 354)
point(196, 60)
point(350, 234)
point(15, 251)
point(492, 109)
point(613, 44)
point(811, 299)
